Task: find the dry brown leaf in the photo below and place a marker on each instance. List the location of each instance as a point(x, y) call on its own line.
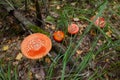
point(73, 3)
point(107, 60)
point(30, 74)
point(106, 77)
point(92, 32)
point(54, 14)
point(9, 41)
point(76, 19)
point(58, 7)
point(53, 27)
point(100, 42)
point(19, 56)
point(79, 52)
point(82, 27)
point(109, 33)
point(5, 48)
point(47, 60)
point(15, 63)
point(32, 8)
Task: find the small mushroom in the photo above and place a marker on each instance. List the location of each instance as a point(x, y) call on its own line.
point(73, 29)
point(36, 46)
point(58, 36)
point(100, 21)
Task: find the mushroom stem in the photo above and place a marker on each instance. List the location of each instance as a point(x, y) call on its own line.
point(49, 55)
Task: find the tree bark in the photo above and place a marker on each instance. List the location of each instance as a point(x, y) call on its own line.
point(39, 20)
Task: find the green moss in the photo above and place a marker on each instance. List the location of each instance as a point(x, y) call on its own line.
point(50, 19)
point(37, 29)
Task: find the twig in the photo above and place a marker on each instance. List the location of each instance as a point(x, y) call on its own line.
point(45, 2)
point(26, 5)
point(39, 19)
point(10, 4)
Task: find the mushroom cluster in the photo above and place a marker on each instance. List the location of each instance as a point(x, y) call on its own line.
point(59, 35)
point(38, 45)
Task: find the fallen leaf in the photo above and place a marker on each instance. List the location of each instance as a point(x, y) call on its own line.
point(109, 33)
point(9, 41)
point(5, 48)
point(58, 7)
point(82, 27)
point(76, 19)
point(73, 3)
point(32, 8)
point(53, 27)
point(30, 74)
point(79, 52)
point(47, 60)
point(19, 56)
point(100, 42)
point(54, 14)
point(15, 63)
point(92, 32)
point(106, 77)
point(107, 60)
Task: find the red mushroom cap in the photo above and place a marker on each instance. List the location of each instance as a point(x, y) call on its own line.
point(100, 21)
point(58, 36)
point(73, 29)
point(36, 46)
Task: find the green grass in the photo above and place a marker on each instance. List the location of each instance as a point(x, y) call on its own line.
point(76, 71)
point(7, 72)
point(89, 56)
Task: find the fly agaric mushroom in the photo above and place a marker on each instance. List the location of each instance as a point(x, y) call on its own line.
point(100, 21)
point(36, 46)
point(73, 29)
point(58, 36)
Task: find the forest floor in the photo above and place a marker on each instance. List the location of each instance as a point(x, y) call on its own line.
point(92, 54)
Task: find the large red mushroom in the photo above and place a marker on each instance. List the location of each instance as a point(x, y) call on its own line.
point(36, 46)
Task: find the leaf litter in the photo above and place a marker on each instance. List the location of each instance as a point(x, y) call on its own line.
point(10, 50)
